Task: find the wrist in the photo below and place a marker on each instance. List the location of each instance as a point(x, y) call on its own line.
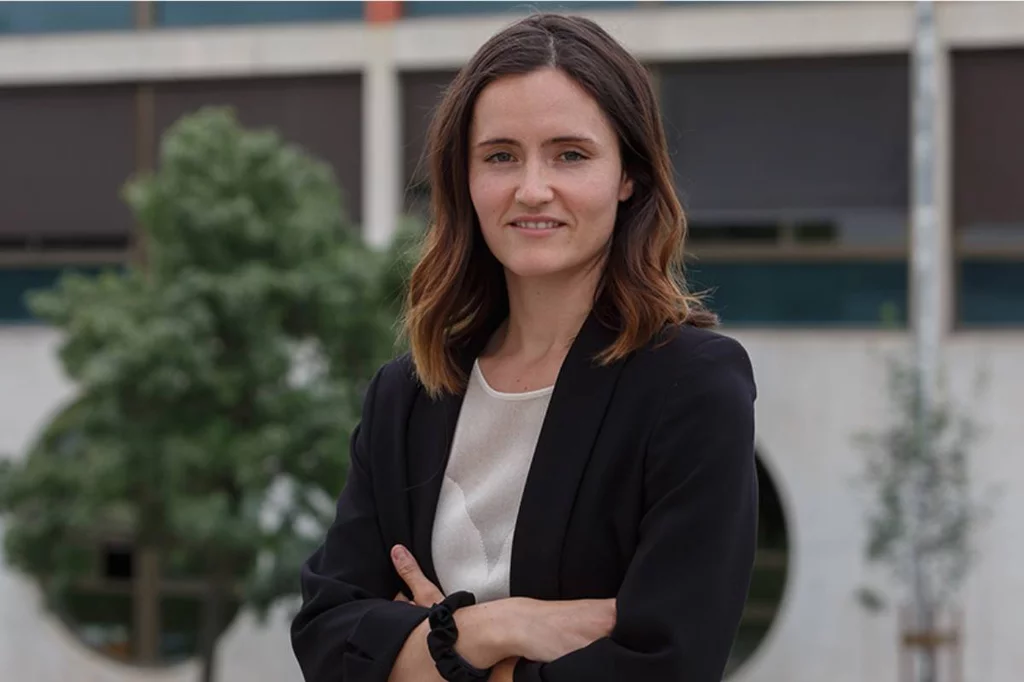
point(486, 632)
point(516, 620)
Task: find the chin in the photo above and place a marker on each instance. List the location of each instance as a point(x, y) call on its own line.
point(534, 267)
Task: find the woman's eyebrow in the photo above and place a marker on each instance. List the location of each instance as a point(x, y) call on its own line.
point(573, 139)
point(561, 139)
point(496, 140)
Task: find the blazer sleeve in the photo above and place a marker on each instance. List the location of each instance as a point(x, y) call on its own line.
point(348, 628)
point(680, 603)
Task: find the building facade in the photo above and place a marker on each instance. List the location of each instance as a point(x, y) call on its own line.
point(790, 127)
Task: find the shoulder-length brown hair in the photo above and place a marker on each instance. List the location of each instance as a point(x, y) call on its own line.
point(457, 289)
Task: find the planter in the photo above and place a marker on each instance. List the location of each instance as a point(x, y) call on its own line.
point(943, 642)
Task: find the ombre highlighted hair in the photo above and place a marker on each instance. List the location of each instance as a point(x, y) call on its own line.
point(457, 294)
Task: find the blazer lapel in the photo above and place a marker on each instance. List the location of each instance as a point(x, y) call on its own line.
point(575, 413)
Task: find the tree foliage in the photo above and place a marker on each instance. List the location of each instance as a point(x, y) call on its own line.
point(923, 508)
point(217, 383)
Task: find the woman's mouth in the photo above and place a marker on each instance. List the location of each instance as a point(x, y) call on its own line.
point(537, 224)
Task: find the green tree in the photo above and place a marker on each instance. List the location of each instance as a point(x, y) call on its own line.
point(923, 510)
point(217, 385)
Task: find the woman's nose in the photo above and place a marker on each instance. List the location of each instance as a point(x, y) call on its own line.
point(534, 188)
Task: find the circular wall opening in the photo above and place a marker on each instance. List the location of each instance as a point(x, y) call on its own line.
point(149, 605)
point(138, 615)
point(771, 567)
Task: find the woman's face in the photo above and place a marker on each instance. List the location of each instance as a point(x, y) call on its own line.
point(545, 174)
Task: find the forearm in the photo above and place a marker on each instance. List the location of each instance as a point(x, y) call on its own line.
point(414, 663)
point(484, 641)
point(504, 671)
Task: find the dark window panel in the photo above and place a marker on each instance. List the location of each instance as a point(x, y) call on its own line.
point(104, 622)
point(988, 134)
point(16, 283)
point(118, 562)
point(781, 135)
point(841, 228)
point(421, 93)
point(54, 17)
point(1005, 236)
point(768, 583)
point(991, 293)
point(181, 626)
point(83, 244)
point(841, 294)
point(765, 233)
point(418, 8)
point(67, 153)
point(322, 114)
point(227, 13)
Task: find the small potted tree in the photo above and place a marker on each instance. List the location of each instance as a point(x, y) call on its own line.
point(920, 522)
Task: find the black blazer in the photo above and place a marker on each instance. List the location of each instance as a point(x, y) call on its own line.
point(642, 488)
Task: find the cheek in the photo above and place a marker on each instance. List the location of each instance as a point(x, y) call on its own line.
point(599, 202)
point(488, 196)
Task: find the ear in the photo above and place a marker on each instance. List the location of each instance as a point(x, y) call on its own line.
point(625, 187)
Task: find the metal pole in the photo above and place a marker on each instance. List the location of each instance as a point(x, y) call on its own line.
point(925, 237)
point(927, 321)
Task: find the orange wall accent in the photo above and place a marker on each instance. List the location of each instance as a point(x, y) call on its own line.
point(382, 10)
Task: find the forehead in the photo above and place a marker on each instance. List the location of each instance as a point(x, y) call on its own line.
point(541, 104)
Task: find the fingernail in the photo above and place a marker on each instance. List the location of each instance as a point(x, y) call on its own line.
point(399, 553)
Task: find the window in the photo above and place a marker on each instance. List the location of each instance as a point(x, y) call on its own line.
point(420, 8)
point(794, 176)
point(17, 281)
point(988, 107)
point(844, 270)
point(421, 93)
point(44, 17)
point(991, 291)
point(62, 175)
point(226, 13)
point(137, 610)
point(63, 171)
point(803, 293)
point(771, 568)
point(322, 114)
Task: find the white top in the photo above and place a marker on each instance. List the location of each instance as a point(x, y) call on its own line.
point(493, 447)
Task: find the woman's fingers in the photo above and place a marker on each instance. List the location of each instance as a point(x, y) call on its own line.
point(424, 592)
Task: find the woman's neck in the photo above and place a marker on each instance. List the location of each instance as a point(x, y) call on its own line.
point(545, 315)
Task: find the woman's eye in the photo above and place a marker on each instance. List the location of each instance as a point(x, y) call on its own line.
point(500, 157)
point(572, 156)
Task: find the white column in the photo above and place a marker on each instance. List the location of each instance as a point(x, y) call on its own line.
point(945, 248)
point(933, 298)
point(924, 237)
point(382, 135)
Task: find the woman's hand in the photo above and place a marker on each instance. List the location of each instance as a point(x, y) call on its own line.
point(424, 592)
point(546, 630)
point(482, 628)
point(530, 628)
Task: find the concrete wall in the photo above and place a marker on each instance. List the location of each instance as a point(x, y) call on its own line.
point(816, 391)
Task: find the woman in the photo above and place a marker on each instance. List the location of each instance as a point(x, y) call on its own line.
point(567, 445)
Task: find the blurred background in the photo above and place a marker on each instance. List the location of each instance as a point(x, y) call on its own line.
point(271, 152)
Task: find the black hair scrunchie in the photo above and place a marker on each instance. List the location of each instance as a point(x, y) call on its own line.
point(442, 637)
